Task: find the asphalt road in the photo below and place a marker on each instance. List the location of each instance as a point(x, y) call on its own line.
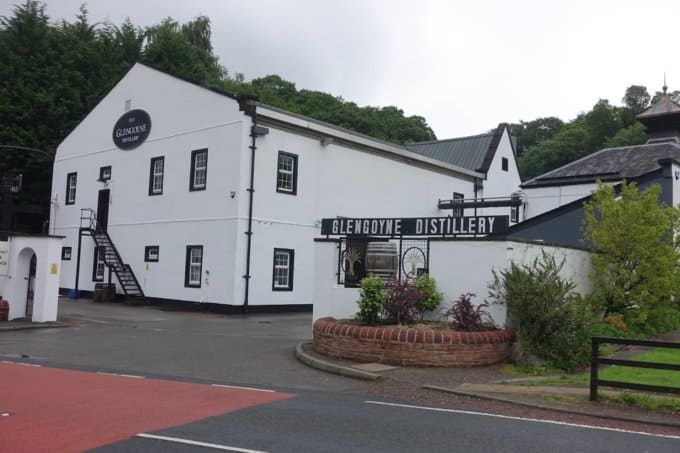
point(326, 413)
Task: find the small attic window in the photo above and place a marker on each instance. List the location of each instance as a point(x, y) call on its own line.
point(128, 104)
point(504, 164)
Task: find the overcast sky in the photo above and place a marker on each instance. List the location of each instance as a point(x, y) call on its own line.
point(465, 66)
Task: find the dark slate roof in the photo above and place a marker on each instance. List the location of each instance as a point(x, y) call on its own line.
point(626, 162)
point(662, 107)
point(474, 153)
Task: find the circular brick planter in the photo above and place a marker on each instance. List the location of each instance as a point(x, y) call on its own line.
point(408, 346)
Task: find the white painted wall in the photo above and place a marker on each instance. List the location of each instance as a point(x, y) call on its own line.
point(361, 178)
point(189, 119)
point(332, 180)
point(543, 199)
point(500, 183)
point(459, 267)
point(14, 286)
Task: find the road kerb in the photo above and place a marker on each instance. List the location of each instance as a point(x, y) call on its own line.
point(319, 364)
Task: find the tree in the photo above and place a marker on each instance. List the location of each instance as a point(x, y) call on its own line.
point(636, 98)
point(636, 260)
point(530, 133)
point(631, 135)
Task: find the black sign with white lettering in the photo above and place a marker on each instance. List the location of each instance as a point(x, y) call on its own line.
point(417, 226)
point(132, 129)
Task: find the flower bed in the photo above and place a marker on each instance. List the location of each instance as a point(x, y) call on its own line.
point(410, 346)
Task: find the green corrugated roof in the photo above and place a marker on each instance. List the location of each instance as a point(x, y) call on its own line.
point(466, 152)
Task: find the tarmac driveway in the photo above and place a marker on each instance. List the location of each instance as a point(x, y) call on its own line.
point(253, 350)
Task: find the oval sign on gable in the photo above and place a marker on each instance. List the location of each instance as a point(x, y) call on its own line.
point(132, 129)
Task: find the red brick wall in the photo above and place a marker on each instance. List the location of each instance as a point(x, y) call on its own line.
point(407, 346)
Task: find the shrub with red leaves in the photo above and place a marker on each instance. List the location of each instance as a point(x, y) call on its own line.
point(465, 316)
point(402, 305)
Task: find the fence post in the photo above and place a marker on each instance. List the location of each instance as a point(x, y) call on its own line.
point(594, 364)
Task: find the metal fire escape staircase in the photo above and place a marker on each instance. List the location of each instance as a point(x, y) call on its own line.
point(128, 282)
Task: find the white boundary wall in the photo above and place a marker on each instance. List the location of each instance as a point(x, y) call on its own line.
point(458, 267)
point(14, 285)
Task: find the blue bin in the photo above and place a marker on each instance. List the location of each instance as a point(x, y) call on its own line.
point(73, 294)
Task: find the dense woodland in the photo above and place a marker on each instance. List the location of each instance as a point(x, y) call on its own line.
point(54, 72)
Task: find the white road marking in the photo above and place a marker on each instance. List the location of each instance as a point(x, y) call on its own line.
point(197, 443)
point(242, 388)
point(132, 376)
point(576, 425)
point(22, 363)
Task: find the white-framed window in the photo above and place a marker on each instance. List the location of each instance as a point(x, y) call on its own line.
point(194, 266)
point(71, 182)
point(156, 172)
point(199, 169)
point(457, 198)
point(284, 260)
point(286, 173)
point(99, 265)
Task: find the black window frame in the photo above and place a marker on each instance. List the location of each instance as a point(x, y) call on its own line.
point(67, 198)
point(187, 267)
point(151, 175)
point(279, 189)
point(95, 278)
point(504, 163)
point(457, 211)
point(66, 253)
point(192, 175)
point(291, 269)
point(102, 170)
point(147, 253)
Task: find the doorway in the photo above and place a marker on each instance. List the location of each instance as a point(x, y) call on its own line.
point(103, 209)
point(31, 287)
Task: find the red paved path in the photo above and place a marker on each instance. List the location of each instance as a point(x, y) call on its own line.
point(62, 411)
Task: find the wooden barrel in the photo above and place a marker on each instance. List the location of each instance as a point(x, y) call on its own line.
point(382, 259)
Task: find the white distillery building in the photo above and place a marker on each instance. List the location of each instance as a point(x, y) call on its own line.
point(202, 197)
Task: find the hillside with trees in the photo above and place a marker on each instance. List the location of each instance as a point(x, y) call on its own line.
point(53, 73)
point(548, 143)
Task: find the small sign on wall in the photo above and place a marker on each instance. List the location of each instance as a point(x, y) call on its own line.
point(53, 269)
point(4, 258)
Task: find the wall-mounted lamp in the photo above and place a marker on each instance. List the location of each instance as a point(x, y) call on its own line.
point(325, 141)
point(259, 130)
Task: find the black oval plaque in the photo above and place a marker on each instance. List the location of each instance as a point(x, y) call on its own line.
point(132, 129)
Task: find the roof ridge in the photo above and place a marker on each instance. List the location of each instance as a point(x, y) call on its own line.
point(488, 134)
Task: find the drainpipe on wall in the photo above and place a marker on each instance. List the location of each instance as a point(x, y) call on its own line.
point(248, 104)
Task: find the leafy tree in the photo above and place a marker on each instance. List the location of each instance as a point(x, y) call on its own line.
point(631, 135)
point(636, 98)
point(530, 133)
point(567, 145)
point(636, 267)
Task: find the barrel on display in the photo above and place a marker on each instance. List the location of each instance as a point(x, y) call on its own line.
point(382, 259)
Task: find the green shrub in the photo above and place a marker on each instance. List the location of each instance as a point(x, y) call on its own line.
point(603, 329)
point(431, 297)
point(660, 319)
point(552, 321)
point(372, 299)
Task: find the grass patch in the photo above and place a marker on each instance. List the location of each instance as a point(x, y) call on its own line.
point(622, 374)
point(647, 376)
